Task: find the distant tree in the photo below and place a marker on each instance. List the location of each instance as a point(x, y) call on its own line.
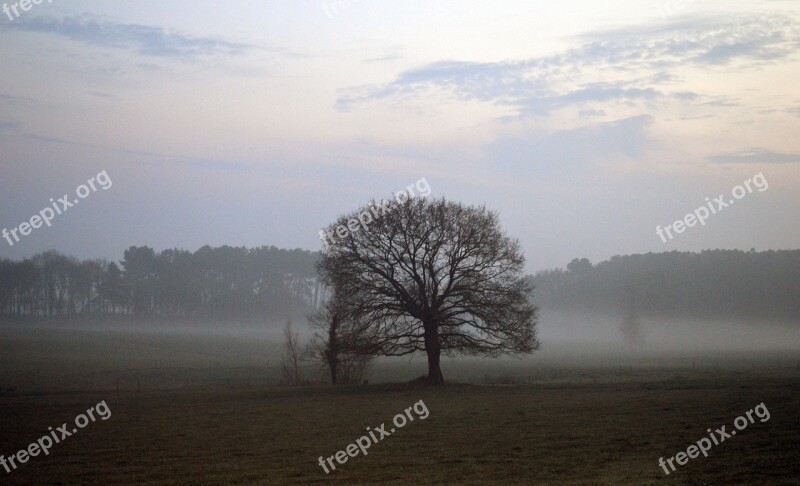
point(28, 299)
point(83, 279)
point(292, 355)
point(56, 282)
point(334, 345)
point(114, 287)
point(579, 267)
point(141, 271)
point(432, 276)
point(6, 286)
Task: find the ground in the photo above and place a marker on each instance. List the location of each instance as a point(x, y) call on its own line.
point(220, 426)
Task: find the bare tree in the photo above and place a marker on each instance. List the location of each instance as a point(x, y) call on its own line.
point(433, 276)
point(292, 355)
point(333, 346)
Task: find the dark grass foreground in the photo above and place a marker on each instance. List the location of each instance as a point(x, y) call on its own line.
point(568, 434)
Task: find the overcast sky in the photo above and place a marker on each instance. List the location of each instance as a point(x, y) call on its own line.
point(585, 124)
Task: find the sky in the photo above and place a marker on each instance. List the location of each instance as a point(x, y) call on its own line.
point(585, 124)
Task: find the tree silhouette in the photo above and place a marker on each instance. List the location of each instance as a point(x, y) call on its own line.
point(335, 344)
point(433, 276)
point(292, 356)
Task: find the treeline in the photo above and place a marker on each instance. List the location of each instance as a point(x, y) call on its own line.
point(230, 282)
point(713, 283)
point(211, 282)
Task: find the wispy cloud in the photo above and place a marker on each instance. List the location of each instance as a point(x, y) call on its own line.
point(633, 61)
point(386, 58)
point(102, 95)
point(598, 92)
point(55, 140)
point(590, 113)
point(756, 156)
point(764, 49)
point(702, 40)
point(152, 158)
point(7, 98)
point(146, 40)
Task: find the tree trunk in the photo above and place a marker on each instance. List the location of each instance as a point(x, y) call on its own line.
point(333, 349)
point(333, 367)
point(434, 350)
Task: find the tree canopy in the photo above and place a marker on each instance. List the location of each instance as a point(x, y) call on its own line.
point(433, 276)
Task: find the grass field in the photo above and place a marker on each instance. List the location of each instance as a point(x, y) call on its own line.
point(209, 413)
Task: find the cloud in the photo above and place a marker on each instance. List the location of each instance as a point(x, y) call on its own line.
point(386, 58)
point(100, 94)
point(597, 92)
point(478, 81)
point(633, 61)
point(143, 39)
point(756, 156)
point(7, 98)
point(590, 113)
point(60, 141)
point(152, 158)
point(702, 40)
point(761, 49)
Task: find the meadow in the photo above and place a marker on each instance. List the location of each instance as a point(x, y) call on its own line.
point(205, 408)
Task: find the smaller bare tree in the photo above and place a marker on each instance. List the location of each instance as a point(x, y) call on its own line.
point(334, 345)
point(292, 356)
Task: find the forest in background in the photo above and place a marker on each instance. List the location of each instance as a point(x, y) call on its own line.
point(729, 284)
point(241, 283)
point(223, 282)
